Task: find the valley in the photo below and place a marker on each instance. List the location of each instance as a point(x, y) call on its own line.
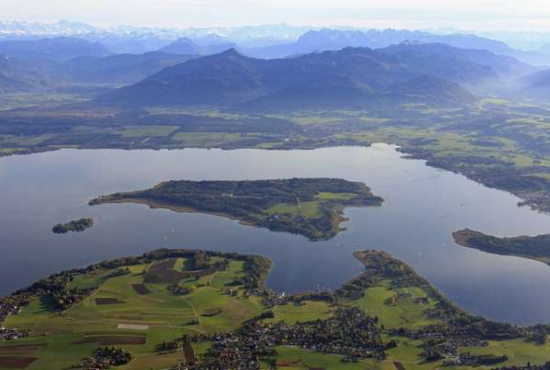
point(355, 154)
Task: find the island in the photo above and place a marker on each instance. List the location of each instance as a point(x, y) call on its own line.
point(310, 207)
point(199, 310)
point(535, 247)
point(76, 226)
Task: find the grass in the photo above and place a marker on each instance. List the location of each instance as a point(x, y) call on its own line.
point(206, 139)
point(394, 311)
point(148, 131)
point(335, 196)
point(58, 338)
point(167, 316)
point(518, 351)
point(310, 210)
point(308, 311)
point(297, 358)
point(542, 175)
point(305, 209)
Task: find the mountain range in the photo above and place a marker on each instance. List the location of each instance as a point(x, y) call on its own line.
point(330, 39)
point(118, 69)
point(433, 74)
point(20, 74)
point(53, 49)
point(205, 45)
point(323, 68)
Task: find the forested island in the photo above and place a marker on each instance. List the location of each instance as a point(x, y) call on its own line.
point(309, 207)
point(76, 226)
point(536, 247)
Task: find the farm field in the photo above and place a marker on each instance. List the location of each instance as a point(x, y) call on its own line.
point(173, 307)
point(126, 311)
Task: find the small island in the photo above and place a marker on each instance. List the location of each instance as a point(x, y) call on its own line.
point(309, 207)
point(536, 247)
point(76, 226)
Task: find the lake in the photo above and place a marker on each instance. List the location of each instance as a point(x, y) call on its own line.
point(423, 207)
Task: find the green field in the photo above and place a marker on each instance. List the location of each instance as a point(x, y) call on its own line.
point(134, 310)
point(302, 312)
point(300, 359)
point(500, 143)
point(148, 131)
point(395, 311)
point(67, 337)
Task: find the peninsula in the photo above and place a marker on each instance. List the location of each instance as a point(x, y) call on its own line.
point(309, 207)
point(536, 247)
point(199, 310)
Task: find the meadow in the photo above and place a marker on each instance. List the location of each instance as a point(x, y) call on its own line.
point(120, 314)
point(133, 308)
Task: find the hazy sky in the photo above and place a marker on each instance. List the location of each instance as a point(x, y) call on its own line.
point(460, 14)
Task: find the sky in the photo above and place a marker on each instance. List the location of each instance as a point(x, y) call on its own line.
point(412, 14)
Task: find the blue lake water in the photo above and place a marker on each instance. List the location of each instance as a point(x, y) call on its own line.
point(423, 207)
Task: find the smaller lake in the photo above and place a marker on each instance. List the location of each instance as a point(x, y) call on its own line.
point(423, 207)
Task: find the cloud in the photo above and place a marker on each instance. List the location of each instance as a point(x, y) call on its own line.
point(505, 14)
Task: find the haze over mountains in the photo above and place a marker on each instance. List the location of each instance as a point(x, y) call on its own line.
point(352, 77)
point(53, 49)
point(265, 67)
point(205, 45)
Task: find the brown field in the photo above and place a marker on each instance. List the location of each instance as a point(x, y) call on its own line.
point(109, 340)
point(107, 301)
point(212, 312)
point(164, 277)
point(163, 273)
point(16, 362)
point(189, 354)
point(27, 348)
point(141, 289)
point(164, 265)
point(283, 363)
point(398, 365)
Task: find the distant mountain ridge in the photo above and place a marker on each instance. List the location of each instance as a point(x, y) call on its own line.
point(276, 40)
point(119, 69)
point(53, 49)
point(207, 45)
point(17, 75)
point(331, 39)
point(353, 77)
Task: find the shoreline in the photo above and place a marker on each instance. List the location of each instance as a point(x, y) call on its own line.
point(525, 197)
point(461, 238)
point(324, 225)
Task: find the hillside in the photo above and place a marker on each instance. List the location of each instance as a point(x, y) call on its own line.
point(52, 49)
point(536, 85)
point(207, 45)
point(483, 62)
point(330, 39)
point(353, 77)
point(18, 75)
point(123, 68)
